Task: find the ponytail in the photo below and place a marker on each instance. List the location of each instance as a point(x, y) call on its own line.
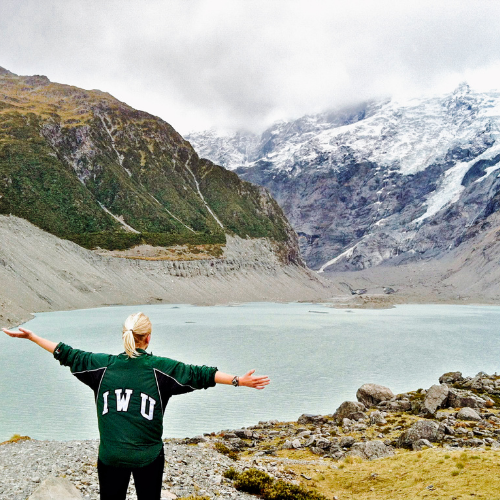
point(135, 329)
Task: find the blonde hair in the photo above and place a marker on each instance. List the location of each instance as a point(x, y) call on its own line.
point(135, 330)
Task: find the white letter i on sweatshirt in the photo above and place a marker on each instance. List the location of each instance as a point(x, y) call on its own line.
point(105, 397)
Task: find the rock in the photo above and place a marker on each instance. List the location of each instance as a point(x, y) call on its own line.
point(56, 488)
point(323, 443)
point(348, 409)
point(167, 495)
point(373, 394)
point(468, 414)
point(423, 429)
point(310, 419)
point(435, 398)
point(459, 398)
point(388, 290)
point(446, 429)
point(421, 444)
point(450, 377)
point(196, 440)
point(376, 417)
point(244, 433)
point(318, 451)
point(474, 443)
point(309, 441)
point(400, 405)
point(303, 434)
point(372, 449)
point(347, 441)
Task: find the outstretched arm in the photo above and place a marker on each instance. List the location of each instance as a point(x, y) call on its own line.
point(247, 380)
point(28, 334)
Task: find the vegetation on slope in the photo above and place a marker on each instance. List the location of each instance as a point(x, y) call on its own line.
point(86, 167)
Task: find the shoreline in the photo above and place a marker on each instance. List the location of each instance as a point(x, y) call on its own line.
point(458, 418)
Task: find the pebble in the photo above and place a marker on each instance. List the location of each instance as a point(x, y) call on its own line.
point(189, 470)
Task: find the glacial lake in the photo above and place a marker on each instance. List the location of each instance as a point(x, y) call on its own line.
point(316, 357)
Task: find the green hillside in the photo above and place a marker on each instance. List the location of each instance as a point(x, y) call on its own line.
point(87, 167)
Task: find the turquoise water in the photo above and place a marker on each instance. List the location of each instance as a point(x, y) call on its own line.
point(316, 357)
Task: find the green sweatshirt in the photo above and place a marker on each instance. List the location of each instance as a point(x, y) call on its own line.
point(131, 396)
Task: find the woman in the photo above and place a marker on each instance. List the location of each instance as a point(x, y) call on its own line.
point(131, 392)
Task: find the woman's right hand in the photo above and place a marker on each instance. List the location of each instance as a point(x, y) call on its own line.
point(21, 334)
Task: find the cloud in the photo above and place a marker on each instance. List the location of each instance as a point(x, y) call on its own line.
point(232, 64)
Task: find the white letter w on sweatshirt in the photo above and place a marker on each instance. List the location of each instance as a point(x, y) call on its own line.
point(122, 401)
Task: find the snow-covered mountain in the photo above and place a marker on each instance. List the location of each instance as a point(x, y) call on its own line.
point(385, 182)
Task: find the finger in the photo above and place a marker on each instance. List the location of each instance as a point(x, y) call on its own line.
point(10, 332)
point(261, 381)
point(249, 373)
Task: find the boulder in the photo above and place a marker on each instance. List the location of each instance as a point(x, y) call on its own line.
point(450, 377)
point(376, 417)
point(58, 488)
point(468, 414)
point(292, 445)
point(371, 450)
point(348, 409)
point(373, 394)
point(323, 443)
point(347, 441)
point(399, 405)
point(460, 398)
point(244, 433)
point(423, 429)
point(421, 444)
point(196, 440)
point(310, 419)
point(436, 397)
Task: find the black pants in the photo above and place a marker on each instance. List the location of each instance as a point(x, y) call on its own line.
point(113, 481)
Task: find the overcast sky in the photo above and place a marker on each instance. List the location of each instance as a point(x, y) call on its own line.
point(242, 64)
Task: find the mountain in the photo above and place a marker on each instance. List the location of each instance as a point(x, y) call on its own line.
point(384, 183)
point(86, 167)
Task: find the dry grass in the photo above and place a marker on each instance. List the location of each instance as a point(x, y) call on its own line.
point(70, 103)
point(174, 253)
point(434, 474)
point(15, 438)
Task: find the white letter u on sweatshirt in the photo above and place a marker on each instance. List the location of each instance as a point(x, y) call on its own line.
point(152, 402)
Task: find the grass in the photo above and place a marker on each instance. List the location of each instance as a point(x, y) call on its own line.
point(429, 474)
point(15, 438)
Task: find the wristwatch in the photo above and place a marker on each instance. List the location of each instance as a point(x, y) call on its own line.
point(236, 381)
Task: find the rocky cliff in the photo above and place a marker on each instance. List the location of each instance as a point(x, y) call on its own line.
point(84, 166)
point(384, 183)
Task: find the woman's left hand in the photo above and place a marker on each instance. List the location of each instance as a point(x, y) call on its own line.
point(249, 380)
